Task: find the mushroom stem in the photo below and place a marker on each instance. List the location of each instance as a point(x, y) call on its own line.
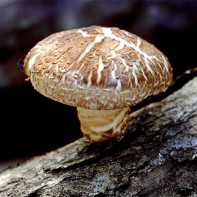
point(101, 125)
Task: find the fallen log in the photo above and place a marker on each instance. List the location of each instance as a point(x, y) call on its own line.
point(156, 157)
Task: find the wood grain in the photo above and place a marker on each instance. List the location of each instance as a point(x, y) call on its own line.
point(157, 157)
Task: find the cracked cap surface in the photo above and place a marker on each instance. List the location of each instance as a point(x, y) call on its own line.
point(97, 68)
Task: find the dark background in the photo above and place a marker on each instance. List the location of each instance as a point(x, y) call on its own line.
point(32, 124)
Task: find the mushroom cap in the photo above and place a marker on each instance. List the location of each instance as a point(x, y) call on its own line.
point(97, 68)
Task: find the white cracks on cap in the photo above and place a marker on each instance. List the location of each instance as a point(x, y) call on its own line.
point(135, 68)
point(70, 66)
point(32, 60)
point(156, 83)
point(144, 74)
point(129, 35)
point(107, 32)
point(165, 63)
point(125, 64)
point(136, 65)
point(89, 80)
point(84, 34)
point(98, 39)
point(113, 73)
point(76, 75)
point(133, 72)
point(147, 59)
point(120, 46)
point(148, 66)
point(100, 68)
point(119, 86)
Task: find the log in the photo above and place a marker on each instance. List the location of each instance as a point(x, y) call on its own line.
point(156, 157)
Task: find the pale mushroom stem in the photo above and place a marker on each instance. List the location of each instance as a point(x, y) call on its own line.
point(101, 125)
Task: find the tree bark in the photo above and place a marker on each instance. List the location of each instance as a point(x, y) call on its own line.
point(156, 157)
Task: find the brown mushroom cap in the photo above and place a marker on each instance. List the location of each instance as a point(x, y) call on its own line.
point(97, 68)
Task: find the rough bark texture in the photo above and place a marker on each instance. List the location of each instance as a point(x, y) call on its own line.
point(157, 157)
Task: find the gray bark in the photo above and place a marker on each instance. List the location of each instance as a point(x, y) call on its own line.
point(157, 157)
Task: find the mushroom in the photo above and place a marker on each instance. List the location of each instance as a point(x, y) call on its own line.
point(100, 70)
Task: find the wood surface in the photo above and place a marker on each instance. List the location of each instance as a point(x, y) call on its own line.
point(156, 157)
